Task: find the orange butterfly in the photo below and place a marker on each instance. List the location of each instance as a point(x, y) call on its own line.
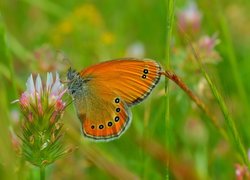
point(104, 93)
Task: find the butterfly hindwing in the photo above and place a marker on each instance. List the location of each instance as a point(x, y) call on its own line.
point(103, 115)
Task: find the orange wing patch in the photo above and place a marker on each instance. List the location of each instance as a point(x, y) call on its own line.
point(107, 128)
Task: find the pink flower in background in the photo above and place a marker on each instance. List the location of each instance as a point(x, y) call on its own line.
point(189, 18)
point(241, 172)
point(208, 43)
point(206, 47)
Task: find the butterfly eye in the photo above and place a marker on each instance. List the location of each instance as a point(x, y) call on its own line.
point(118, 109)
point(117, 118)
point(110, 124)
point(145, 71)
point(117, 100)
point(144, 76)
point(101, 126)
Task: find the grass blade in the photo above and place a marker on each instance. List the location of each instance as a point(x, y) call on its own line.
point(228, 119)
point(170, 19)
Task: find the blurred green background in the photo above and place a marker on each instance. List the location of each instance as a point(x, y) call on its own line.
point(91, 31)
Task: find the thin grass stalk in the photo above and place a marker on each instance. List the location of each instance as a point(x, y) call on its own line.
point(195, 98)
point(229, 121)
point(231, 56)
point(170, 20)
point(232, 59)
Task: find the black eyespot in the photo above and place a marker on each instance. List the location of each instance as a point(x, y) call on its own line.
point(145, 71)
point(117, 118)
point(101, 126)
point(110, 123)
point(118, 109)
point(144, 76)
point(92, 127)
point(117, 100)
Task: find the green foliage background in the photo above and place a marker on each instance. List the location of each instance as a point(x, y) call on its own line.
point(92, 31)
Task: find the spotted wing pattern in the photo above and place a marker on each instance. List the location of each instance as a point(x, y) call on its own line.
point(112, 87)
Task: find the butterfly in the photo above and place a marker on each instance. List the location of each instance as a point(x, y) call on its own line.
point(104, 93)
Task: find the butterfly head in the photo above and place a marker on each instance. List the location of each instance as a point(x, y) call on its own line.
point(71, 74)
point(74, 81)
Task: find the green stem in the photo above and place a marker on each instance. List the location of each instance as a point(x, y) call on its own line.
point(228, 119)
point(42, 173)
point(170, 19)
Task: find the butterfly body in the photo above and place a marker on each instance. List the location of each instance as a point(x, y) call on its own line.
point(104, 93)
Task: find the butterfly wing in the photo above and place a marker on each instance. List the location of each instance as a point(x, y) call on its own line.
point(106, 92)
point(131, 79)
point(103, 116)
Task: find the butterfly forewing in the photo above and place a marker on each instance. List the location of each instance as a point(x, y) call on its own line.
point(131, 79)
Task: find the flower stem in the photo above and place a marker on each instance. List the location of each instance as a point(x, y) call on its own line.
point(42, 173)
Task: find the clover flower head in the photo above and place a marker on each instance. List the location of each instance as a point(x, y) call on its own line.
point(42, 106)
point(38, 97)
